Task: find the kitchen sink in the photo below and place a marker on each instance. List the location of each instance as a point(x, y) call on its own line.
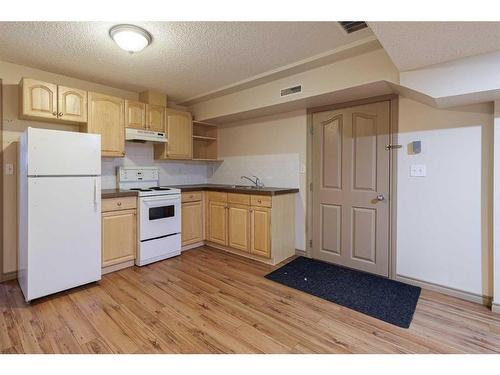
point(246, 187)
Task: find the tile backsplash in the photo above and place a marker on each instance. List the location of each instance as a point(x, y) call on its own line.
point(141, 155)
point(280, 170)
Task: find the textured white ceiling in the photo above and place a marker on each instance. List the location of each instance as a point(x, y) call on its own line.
point(414, 45)
point(185, 59)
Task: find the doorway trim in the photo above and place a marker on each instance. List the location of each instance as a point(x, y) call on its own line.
point(393, 126)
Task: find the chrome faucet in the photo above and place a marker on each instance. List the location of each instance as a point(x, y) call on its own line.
point(258, 183)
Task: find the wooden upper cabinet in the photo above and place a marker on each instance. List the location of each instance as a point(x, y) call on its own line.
point(72, 104)
point(135, 115)
point(155, 118)
point(179, 128)
point(106, 117)
point(45, 101)
point(38, 99)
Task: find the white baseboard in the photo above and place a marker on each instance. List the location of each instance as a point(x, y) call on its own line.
point(301, 253)
point(8, 276)
point(468, 296)
point(495, 307)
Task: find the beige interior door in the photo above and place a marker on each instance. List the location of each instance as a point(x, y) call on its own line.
point(351, 187)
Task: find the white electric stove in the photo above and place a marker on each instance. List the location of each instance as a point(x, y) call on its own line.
point(159, 214)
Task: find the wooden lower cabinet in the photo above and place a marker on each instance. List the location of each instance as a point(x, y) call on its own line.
point(192, 222)
point(217, 222)
point(239, 227)
point(119, 236)
point(118, 232)
point(260, 224)
point(259, 227)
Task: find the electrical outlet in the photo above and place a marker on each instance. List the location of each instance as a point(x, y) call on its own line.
point(418, 170)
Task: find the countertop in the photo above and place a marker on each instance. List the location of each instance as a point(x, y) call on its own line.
point(232, 189)
point(116, 193)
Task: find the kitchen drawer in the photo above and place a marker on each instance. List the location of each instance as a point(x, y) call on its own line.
point(114, 204)
point(261, 200)
point(192, 196)
point(238, 198)
point(217, 196)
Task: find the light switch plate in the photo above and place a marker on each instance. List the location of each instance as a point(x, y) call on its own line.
point(418, 170)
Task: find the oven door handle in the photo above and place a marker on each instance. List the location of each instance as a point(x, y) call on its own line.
point(163, 199)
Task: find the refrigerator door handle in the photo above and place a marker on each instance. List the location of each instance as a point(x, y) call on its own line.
point(95, 191)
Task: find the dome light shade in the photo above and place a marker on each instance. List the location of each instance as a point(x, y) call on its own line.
point(130, 38)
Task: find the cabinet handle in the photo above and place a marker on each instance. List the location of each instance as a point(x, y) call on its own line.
point(259, 201)
point(54, 113)
point(60, 114)
point(119, 203)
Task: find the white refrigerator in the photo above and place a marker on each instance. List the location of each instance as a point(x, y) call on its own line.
point(59, 213)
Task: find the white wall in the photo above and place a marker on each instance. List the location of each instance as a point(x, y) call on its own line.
point(346, 73)
point(496, 209)
point(469, 75)
point(444, 220)
point(271, 147)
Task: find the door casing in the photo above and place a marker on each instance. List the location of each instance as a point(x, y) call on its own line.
point(393, 126)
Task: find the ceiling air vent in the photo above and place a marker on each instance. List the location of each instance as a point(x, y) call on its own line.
point(291, 90)
point(352, 26)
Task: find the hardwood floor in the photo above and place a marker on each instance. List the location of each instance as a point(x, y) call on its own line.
point(208, 301)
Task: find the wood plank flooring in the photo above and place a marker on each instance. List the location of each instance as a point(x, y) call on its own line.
point(209, 301)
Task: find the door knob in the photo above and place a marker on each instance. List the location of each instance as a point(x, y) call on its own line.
point(380, 197)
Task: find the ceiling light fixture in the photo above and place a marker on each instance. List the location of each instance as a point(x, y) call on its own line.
point(130, 38)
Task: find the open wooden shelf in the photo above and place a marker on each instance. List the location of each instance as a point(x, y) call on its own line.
point(204, 141)
point(204, 138)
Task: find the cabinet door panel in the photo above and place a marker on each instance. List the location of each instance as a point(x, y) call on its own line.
point(217, 217)
point(155, 115)
point(39, 99)
point(179, 134)
point(135, 115)
point(239, 227)
point(119, 237)
point(106, 117)
point(72, 104)
point(192, 222)
point(261, 232)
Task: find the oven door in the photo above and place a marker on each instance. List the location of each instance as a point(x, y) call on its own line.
point(159, 216)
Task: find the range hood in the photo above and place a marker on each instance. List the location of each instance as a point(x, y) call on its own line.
point(139, 135)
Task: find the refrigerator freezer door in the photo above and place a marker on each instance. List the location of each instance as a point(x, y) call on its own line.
point(62, 153)
point(64, 234)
